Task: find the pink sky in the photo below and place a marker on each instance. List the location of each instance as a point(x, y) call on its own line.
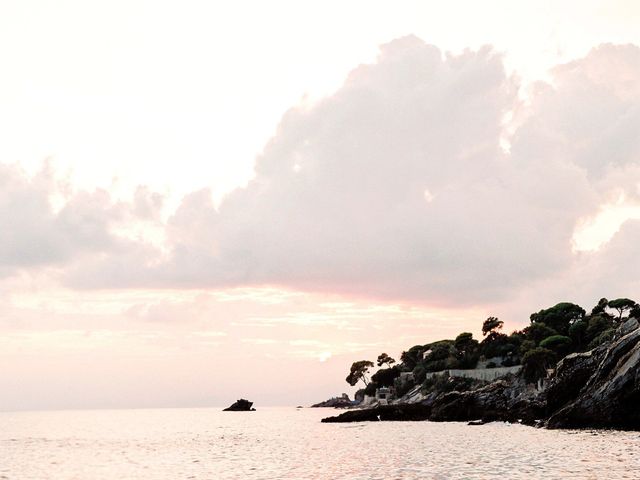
point(191, 218)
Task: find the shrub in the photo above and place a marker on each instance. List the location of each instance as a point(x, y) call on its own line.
point(598, 324)
point(557, 343)
point(386, 376)
point(535, 363)
point(537, 332)
point(445, 384)
point(419, 373)
point(602, 338)
point(403, 388)
point(371, 389)
point(509, 362)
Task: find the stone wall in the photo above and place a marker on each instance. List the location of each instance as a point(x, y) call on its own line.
point(488, 374)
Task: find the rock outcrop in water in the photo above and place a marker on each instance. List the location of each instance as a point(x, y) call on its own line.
point(241, 405)
point(595, 389)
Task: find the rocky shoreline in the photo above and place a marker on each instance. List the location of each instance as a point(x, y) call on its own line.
point(343, 401)
point(595, 389)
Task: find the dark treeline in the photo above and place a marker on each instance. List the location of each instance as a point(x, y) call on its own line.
point(552, 334)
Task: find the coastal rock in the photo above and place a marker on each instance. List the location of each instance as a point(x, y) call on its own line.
point(611, 396)
point(405, 412)
point(508, 399)
point(241, 405)
point(571, 375)
point(627, 327)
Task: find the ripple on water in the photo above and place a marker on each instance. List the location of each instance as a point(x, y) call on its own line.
point(288, 443)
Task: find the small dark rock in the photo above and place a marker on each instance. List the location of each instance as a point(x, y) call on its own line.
point(241, 405)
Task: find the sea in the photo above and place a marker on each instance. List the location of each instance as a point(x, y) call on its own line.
point(291, 443)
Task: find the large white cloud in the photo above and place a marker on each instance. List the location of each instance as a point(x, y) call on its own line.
point(34, 234)
point(397, 186)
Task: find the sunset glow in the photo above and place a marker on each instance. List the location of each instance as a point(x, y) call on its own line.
point(295, 188)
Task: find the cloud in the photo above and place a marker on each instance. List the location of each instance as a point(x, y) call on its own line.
point(397, 186)
point(45, 223)
point(33, 234)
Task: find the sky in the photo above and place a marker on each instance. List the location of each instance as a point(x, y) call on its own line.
point(203, 201)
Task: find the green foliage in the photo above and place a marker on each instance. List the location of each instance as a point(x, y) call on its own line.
point(596, 326)
point(359, 372)
point(445, 384)
point(467, 350)
point(538, 331)
point(412, 357)
point(370, 389)
point(536, 362)
point(384, 359)
point(465, 342)
point(385, 377)
point(491, 324)
point(526, 346)
point(403, 387)
point(439, 356)
point(600, 308)
point(578, 332)
point(439, 350)
point(559, 344)
point(602, 338)
point(621, 305)
point(491, 365)
point(497, 345)
point(419, 373)
point(516, 338)
point(559, 317)
point(509, 362)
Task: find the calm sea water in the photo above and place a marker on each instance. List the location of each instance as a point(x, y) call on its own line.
point(274, 443)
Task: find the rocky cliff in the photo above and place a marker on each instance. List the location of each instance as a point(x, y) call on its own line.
point(599, 389)
point(610, 397)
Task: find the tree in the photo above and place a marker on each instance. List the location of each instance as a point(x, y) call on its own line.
point(597, 325)
point(578, 332)
point(557, 343)
point(466, 350)
point(412, 357)
point(559, 317)
point(621, 305)
point(384, 359)
point(600, 308)
point(385, 377)
point(538, 332)
point(535, 364)
point(491, 324)
point(465, 342)
point(359, 372)
point(526, 346)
